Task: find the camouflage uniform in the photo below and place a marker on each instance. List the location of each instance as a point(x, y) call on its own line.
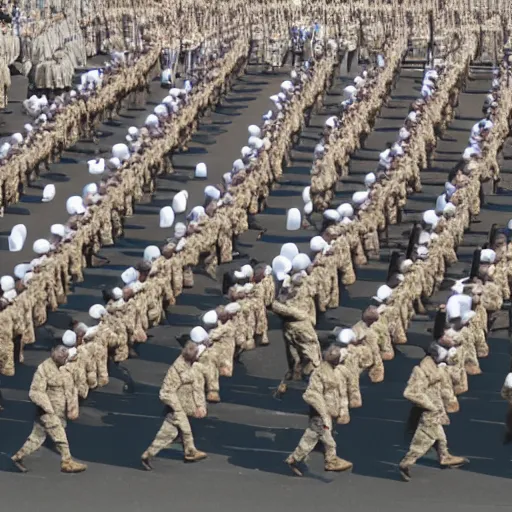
point(53, 392)
point(183, 393)
point(429, 389)
point(326, 396)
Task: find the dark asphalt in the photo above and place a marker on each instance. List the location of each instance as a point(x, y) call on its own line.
point(249, 434)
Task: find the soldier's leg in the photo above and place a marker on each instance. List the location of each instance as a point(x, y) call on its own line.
point(332, 461)
point(421, 443)
point(54, 427)
point(306, 445)
point(125, 375)
point(164, 438)
point(445, 457)
point(211, 263)
point(34, 441)
point(192, 454)
point(294, 367)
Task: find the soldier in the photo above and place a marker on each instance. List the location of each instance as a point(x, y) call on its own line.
point(302, 345)
point(326, 396)
point(425, 390)
point(182, 392)
point(207, 361)
point(363, 331)
point(54, 394)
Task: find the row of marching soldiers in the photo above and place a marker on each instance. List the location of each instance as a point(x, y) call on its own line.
point(57, 124)
point(96, 217)
point(81, 362)
point(193, 379)
point(461, 328)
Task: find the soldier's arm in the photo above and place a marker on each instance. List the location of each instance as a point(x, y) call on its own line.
point(168, 391)
point(314, 396)
point(365, 356)
point(288, 311)
point(415, 390)
point(71, 394)
point(37, 393)
point(198, 385)
point(451, 404)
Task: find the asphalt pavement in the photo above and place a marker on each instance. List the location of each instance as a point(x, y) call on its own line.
point(250, 433)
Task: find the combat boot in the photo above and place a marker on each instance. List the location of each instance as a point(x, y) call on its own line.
point(452, 461)
point(281, 390)
point(195, 456)
point(405, 472)
point(72, 466)
point(294, 465)
point(213, 397)
point(144, 460)
point(338, 464)
point(18, 462)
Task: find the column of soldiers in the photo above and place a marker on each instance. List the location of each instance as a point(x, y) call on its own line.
point(299, 306)
point(344, 134)
point(96, 218)
point(158, 279)
point(59, 124)
point(460, 332)
point(180, 376)
point(358, 222)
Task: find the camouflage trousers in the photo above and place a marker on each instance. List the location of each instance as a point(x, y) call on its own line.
point(174, 425)
point(47, 425)
point(423, 440)
point(316, 433)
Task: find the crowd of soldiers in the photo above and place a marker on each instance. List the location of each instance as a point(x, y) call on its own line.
point(461, 327)
point(58, 124)
point(296, 284)
point(157, 280)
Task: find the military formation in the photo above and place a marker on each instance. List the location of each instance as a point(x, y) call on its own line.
point(296, 286)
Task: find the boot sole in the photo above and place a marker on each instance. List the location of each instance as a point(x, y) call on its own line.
point(405, 476)
point(343, 470)
point(455, 466)
point(72, 472)
point(295, 470)
point(195, 460)
point(20, 467)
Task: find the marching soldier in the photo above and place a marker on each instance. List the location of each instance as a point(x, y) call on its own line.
point(326, 396)
point(431, 407)
point(182, 392)
point(55, 395)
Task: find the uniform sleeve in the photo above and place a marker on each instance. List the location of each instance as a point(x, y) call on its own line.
point(168, 391)
point(288, 311)
point(314, 396)
point(451, 404)
point(38, 394)
point(198, 386)
point(71, 394)
point(416, 390)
